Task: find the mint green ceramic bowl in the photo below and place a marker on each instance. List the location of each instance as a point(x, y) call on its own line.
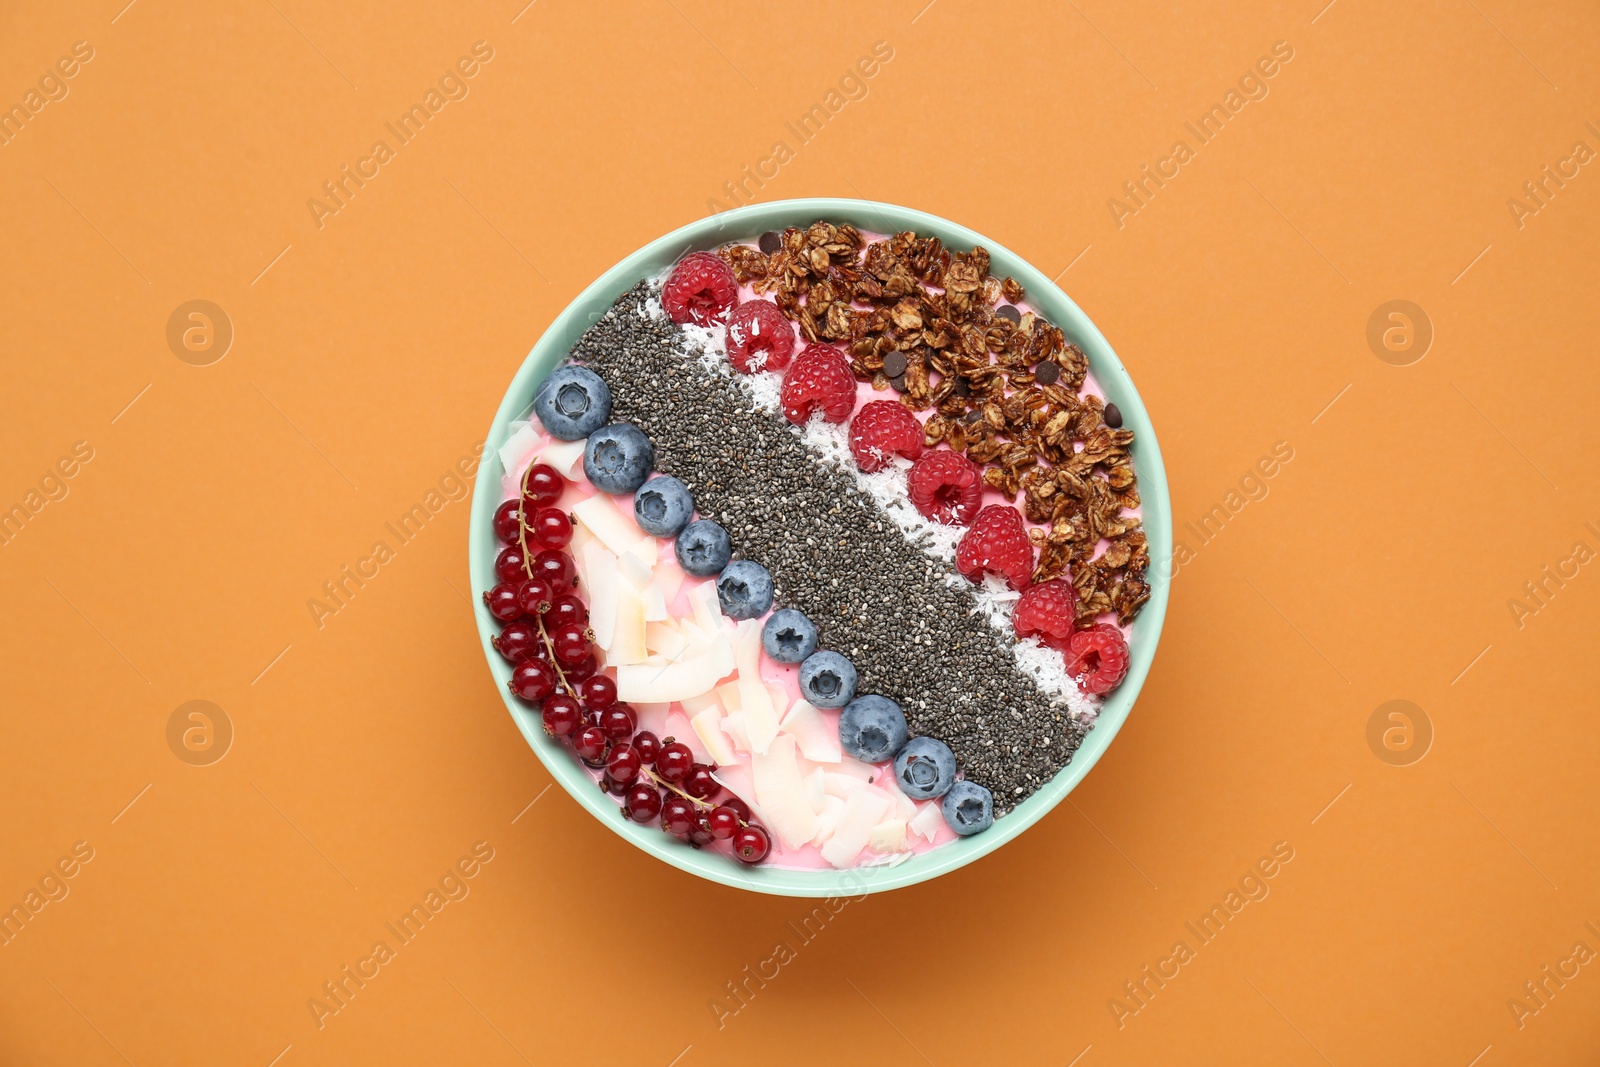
point(743, 224)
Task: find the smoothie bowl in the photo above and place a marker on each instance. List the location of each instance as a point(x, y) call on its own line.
point(821, 547)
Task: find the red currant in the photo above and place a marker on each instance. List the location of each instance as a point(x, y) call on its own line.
point(551, 528)
point(699, 784)
point(533, 680)
point(509, 565)
point(738, 807)
point(502, 601)
point(519, 641)
point(610, 785)
point(701, 834)
point(567, 607)
point(648, 745)
point(533, 596)
point(584, 668)
point(674, 762)
point(619, 722)
point(544, 485)
point(644, 802)
point(722, 822)
point(623, 764)
point(679, 817)
point(560, 716)
point(751, 844)
point(591, 745)
point(555, 567)
point(598, 692)
point(570, 642)
point(507, 522)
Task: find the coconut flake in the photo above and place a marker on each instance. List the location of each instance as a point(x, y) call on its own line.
point(861, 813)
point(888, 836)
point(782, 794)
point(519, 449)
point(927, 821)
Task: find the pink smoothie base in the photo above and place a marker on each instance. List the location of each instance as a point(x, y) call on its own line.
point(670, 720)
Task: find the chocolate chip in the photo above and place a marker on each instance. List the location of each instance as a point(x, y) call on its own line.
point(1113, 416)
point(894, 364)
point(1006, 311)
point(972, 416)
point(1047, 373)
point(898, 382)
point(771, 241)
point(963, 387)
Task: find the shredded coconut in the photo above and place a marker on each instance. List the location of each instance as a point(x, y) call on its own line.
point(887, 488)
point(766, 389)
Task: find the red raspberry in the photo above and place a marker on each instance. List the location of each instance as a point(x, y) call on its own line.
point(1045, 611)
point(881, 429)
point(759, 337)
point(1097, 658)
point(998, 543)
point(946, 487)
point(701, 289)
point(819, 377)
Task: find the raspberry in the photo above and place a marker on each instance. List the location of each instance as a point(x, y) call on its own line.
point(819, 377)
point(946, 487)
point(1046, 611)
point(759, 337)
point(701, 289)
point(1097, 658)
point(882, 429)
point(996, 542)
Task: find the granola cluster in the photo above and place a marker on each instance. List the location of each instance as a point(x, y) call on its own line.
point(936, 327)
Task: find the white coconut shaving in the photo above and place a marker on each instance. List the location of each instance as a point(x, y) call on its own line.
point(1046, 666)
point(887, 488)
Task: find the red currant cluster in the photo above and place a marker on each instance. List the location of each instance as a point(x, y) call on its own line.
point(556, 667)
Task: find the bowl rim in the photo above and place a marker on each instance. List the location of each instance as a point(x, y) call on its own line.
point(740, 224)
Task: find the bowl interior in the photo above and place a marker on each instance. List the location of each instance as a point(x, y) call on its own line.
point(1054, 305)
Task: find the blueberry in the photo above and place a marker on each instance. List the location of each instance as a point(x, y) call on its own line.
point(827, 679)
point(968, 808)
point(872, 728)
point(745, 590)
point(663, 506)
point(789, 636)
point(925, 768)
point(618, 458)
point(703, 548)
point(573, 402)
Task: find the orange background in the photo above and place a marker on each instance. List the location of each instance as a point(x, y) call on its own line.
point(372, 753)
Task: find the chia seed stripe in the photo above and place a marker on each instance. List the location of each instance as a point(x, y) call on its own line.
point(833, 555)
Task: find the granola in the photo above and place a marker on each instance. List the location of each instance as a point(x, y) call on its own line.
point(1003, 387)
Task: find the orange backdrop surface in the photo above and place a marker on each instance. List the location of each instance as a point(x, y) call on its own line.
point(1435, 896)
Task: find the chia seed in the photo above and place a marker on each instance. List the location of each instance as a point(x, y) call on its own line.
point(912, 636)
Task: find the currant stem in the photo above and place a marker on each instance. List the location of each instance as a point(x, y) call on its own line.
point(527, 566)
point(696, 801)
point(658, 780)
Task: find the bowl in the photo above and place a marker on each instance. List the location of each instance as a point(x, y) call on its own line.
point(1055, 306)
